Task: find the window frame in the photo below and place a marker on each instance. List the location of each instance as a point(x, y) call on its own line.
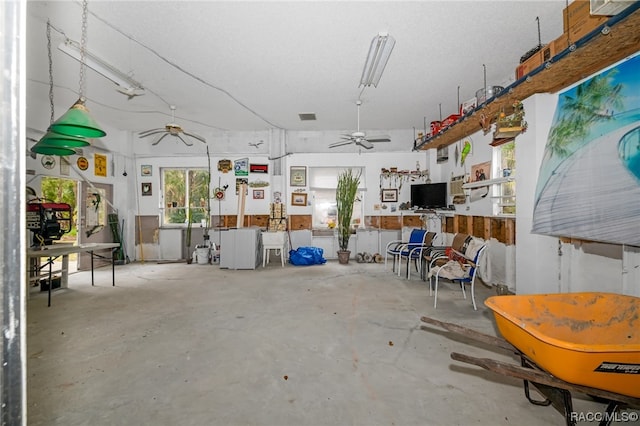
point(187, 204)
point(504, 194)
point(321, 187)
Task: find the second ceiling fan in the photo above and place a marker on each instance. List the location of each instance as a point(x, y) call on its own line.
point(172, 129)
point(359, 137)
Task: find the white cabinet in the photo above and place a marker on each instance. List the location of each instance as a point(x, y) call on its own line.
point(240, 248)
point(330, 247)
point(367, 241)
point(328, 244)
point(386, 236)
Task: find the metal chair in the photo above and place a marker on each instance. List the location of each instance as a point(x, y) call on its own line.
point(414, 251)
point(394, 247)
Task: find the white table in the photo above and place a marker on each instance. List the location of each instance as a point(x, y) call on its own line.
point(52, 252)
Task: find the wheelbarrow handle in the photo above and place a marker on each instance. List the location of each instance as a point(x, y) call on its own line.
point(542, 377)
point(472, 334)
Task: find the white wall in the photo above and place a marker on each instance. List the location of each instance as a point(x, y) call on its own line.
point(372, 162)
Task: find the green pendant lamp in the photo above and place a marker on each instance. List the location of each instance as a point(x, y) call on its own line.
point(63, 141)
point(55, 143)
point(44, 149)
point(77, 121)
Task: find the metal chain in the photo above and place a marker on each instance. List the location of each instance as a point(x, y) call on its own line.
point(83, 46)
point(50, 70)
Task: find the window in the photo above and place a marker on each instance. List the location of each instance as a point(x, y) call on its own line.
point(505, 193)
point(185, 193)
point(323, 182)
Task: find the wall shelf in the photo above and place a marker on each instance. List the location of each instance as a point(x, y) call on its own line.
point(611, 42)
point(488, 182)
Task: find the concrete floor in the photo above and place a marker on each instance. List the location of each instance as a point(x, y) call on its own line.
point(177, 344)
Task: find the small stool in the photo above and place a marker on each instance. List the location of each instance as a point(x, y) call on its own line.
point(273, 241)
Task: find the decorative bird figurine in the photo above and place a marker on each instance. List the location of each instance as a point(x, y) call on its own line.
point(466, 149)
point(256, 144)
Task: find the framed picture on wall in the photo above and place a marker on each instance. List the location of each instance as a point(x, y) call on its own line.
point(389, 195)
point(298, 176)
point(298, 199)
point(258, 194)
point(146, 188)
point(146, 170)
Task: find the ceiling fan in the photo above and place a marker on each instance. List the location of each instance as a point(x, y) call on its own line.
point(172, 129)
point(358, 137)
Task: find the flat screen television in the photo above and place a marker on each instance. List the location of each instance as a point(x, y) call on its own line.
point(429, 195)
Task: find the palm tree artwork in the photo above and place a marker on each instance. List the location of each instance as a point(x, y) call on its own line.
point(594, 101)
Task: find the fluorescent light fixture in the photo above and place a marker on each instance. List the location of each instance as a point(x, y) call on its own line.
point(379, 52)
point(128, 86)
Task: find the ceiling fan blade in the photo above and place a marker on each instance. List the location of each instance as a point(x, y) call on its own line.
point(151, 132)
point(335, 144)
point(380, 139)
point(198, 137)
point(364, 143)
point(159, 139)
point(183, 140)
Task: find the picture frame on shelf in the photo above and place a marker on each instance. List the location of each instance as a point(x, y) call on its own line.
point(481, 171)
point(298, 176)
point(298, 199)
point(389, 196)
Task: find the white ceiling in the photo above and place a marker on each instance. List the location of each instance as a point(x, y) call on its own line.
point(251, 66)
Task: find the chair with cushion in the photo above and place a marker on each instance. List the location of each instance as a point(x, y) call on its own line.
point(461, 268)
point(414, 251)
point(436, 254)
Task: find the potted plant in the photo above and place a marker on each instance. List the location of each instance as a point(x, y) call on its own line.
point(346, 191)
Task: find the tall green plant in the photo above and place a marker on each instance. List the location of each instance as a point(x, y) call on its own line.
point(346, 191)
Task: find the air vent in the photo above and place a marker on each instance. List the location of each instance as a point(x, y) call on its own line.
point(307, 116)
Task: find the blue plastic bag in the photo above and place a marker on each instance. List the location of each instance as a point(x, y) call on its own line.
point(307, 256)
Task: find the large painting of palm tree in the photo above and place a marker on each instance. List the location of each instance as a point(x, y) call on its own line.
point(589, 181)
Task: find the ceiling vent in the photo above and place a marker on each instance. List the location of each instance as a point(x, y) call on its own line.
point(307, 116)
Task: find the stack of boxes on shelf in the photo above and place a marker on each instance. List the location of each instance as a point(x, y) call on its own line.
point(277, 217)
point(577, 22)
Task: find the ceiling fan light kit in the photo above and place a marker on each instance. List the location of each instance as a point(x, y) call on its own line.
point(379, 52)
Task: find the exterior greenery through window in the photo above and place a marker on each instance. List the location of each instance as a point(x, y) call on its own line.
point(505, 156)
point(185, 195)
point(61, 190)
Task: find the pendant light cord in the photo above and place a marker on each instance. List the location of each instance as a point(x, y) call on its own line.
point(50, 57)
point(83, 48)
